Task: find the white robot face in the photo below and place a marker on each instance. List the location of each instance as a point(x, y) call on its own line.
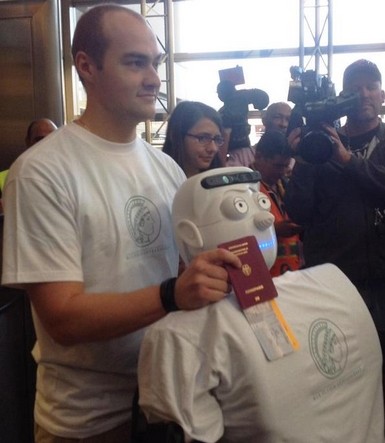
point(221, 205)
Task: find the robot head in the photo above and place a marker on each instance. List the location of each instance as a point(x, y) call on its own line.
point(221, 205)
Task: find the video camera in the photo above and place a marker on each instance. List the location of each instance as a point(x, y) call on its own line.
point(315, 100)
point(236, 105)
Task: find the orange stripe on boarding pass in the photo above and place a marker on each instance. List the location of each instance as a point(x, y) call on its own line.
point(290, 335)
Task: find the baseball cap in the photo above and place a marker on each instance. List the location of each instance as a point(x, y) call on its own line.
point(361, 66)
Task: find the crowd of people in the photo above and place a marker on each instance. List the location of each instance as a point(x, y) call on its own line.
point(94, 222)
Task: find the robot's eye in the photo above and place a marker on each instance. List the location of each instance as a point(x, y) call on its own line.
point(240, 205)
point(234, 207)
point(264, 202)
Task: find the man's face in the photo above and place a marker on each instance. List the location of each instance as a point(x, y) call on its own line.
point(128, 83)
point(40, 130)
point(279, 118)
point(274, 168)
point(371, 97)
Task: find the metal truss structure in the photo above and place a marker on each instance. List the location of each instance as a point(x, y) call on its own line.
point(315, 43)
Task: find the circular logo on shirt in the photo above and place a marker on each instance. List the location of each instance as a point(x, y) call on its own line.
point(328, 347)
point(143, 220)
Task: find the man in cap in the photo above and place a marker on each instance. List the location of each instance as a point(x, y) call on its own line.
point(341, 203)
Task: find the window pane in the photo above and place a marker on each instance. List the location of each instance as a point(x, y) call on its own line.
point(225, 25)
point(358, 22)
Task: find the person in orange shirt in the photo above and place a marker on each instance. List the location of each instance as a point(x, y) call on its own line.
point(272, 159)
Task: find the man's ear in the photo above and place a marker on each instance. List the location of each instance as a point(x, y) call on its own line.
point(189, 233)
point(84, 65)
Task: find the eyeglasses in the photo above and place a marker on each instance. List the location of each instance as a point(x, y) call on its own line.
point(206, 139)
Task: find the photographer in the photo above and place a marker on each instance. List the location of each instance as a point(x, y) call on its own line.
point(234, 113)
point(341, 203)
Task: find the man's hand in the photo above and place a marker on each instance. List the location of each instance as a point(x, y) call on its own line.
point(340, 154)
point(205, 280)
point(294, 138)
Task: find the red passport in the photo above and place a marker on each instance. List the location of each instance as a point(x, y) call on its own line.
point(252, 283)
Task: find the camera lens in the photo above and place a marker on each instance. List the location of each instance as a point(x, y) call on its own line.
point(316, 147)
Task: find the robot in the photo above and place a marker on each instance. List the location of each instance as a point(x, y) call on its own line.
point(207, 370)
point(223, 205)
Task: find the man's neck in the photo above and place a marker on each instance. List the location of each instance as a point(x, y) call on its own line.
point(108, 128)
point(355, 128)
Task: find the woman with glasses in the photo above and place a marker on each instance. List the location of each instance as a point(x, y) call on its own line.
point(194, 137)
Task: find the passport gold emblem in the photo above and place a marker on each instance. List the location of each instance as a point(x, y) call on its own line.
point(246, 270)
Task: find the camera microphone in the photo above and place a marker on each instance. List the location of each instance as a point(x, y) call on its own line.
point(232, 97)
point(235, 111)
point(260, 99)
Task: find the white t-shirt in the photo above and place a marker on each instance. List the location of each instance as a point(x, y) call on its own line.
point(206, 370)
point(98, 212)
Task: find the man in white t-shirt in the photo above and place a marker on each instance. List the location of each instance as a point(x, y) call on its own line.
point(212, 370)
point(88, 235)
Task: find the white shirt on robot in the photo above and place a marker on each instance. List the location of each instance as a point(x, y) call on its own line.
point(205, 369)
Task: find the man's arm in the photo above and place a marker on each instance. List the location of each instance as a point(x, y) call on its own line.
point(368, 173)
point(299, 192)
point(71, 316)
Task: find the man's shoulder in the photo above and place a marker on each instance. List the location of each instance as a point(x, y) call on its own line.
point(157, 152)
point(50, 151)
point(163, 159)
point(381, 131)
point(379, 149)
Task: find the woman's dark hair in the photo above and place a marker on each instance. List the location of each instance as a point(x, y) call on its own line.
point(185, 115)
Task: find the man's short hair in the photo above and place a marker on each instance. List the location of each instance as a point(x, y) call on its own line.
point(271, 110)
point(274, 143)
point(358, 67)
point(89, 36)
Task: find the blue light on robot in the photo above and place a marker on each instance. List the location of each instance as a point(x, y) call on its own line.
point(267, 244)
